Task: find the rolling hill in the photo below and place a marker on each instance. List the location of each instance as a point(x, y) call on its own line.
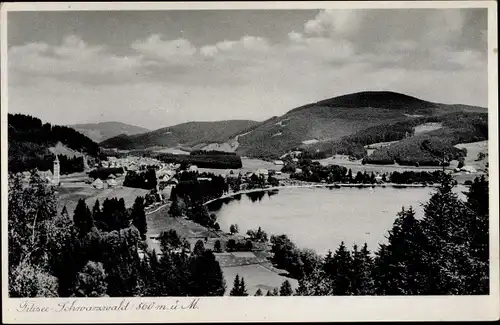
point(189, 135)
point(324, 126)
point(33, 144)
point(99, 132)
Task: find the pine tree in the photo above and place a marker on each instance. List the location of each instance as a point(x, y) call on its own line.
point(217, 246)
point(338, 270)
point(64, 212)
point(199, 248)
point(478, 226)
point(175, 209)
point(82, 218)
point(205, 275)
point(236, 286)
point(286, 289)
point(138, 216)
point(361, 280)
point(243, 288)
point(401, 266)
point(446, 253)
point(122, 215)
point(258, 293)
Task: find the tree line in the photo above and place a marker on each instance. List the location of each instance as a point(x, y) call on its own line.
point(313, 171)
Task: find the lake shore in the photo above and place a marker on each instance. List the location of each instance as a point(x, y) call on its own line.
point(320, 185)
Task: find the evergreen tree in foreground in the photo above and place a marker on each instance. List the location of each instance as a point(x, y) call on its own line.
point(286, 289)
point(82, 218)
point(400, 268)
point(206, 278)
point(239, 287)
point(138, 216)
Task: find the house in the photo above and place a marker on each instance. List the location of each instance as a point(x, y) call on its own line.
point(298, 170)
point(98, 183)
point(262, 172)
point(468, 169)
point(378, 178)
point(193, 168)
point(278, 162)
point(111, 182)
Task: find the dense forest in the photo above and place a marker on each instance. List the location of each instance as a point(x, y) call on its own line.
point(202, 160)
point(30, 140)
point(143, 179)
point(95, 252)
point(105, 172)
point(313, 171)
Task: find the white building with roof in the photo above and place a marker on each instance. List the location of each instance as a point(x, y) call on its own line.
point(98, 183)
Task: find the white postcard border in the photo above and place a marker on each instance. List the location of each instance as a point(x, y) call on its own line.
point(250, 309)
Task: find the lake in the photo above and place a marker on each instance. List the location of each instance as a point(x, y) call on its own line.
point(320, 218)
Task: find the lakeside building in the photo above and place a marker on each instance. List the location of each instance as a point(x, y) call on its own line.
point(278, 162)
point(111, 182)
point(98, 184)
point(262, 172)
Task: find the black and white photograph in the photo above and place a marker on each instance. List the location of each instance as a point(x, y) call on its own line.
point(248, 152)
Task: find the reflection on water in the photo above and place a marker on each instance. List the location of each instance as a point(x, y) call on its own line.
point(320, 218)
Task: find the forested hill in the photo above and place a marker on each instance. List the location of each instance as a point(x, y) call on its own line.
point(327, 122)
point(30, 141)
point(186, 134)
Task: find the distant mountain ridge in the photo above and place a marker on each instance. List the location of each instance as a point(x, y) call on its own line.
point(325, 121)
point(99, 132)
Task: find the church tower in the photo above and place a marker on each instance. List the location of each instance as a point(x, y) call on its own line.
point(57, 171)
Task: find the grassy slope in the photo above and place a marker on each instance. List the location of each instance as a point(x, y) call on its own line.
point(105, 130)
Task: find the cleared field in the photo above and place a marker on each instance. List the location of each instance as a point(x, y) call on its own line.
point(427, 127)
point(174, 151)
point(69, 196)
point(356, 166)
point(256, 276)
point(473, 149)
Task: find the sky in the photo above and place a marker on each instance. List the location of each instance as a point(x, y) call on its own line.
point(159, 68)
